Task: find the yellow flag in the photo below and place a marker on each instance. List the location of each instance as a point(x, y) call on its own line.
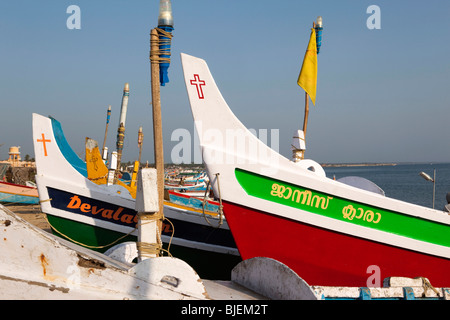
point(307, 78)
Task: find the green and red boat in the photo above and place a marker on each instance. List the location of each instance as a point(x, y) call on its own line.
point(328, 232)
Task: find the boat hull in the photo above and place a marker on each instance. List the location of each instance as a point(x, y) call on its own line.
point(208, 262)
point(13, 193)
point(326, 257)
point(195, 202)
point(98, 223)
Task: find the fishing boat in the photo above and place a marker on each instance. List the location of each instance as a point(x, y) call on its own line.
point(194, 202)
point(193, 190)
point(99, 216)
point(187, 176)
point(330, 233)
point(18, 194)
point(187, 182)
point(36, 265)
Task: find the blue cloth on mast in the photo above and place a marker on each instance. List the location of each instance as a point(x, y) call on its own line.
point(165, 48)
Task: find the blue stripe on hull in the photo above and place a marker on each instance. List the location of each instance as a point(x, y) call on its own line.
point(66, 150)
point(193, 202)
point(15, 198)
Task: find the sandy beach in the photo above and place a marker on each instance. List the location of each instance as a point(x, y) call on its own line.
point(32, 214)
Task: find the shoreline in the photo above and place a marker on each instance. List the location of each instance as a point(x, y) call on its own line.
point(357, 164)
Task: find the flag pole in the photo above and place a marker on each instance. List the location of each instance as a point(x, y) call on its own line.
point(108, 116)
point(318, 33)
point(305, 120)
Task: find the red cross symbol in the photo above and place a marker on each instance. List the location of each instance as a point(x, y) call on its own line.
point(198, 83)
point(43, 142)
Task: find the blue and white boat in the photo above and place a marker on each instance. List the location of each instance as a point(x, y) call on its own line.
point(98, 215)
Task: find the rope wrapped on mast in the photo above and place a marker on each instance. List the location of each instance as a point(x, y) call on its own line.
point(163, 43)
point(162, 53)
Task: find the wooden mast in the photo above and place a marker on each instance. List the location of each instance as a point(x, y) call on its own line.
point(305, 120)
point(140, 142)
point(157, 121)
point(108, 116)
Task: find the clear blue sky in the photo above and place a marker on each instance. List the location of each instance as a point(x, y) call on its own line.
point(383, 95)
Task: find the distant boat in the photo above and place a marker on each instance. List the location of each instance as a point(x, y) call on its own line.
point(194, 202)
point(18, 194)
point(187, 182)
point(96, 215)
point(195, 190)
point(328, 232)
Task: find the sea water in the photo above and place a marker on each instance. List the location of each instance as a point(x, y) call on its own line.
point(402, 181)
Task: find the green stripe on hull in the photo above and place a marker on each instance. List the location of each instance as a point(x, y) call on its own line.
point(87, 235)
point(208, 265)
point(343, 209)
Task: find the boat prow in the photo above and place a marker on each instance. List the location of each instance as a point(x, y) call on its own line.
point(221, 131)
point(57, 165)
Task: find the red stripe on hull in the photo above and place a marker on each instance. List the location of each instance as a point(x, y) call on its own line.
point(324, 257)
